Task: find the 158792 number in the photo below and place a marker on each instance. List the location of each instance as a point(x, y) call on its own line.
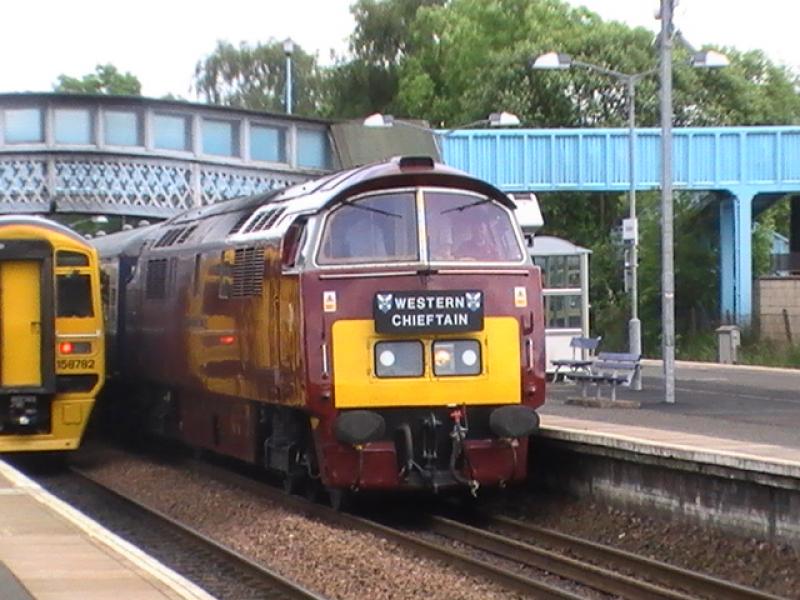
point(71, 364)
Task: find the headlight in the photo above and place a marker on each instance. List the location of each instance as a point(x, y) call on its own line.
point(398, 359)
point(457, 357)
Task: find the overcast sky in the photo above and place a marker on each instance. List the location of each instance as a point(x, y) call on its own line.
point(161, 41)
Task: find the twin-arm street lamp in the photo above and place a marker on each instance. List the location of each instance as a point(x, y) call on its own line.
point(497, 119)
point(556, 61)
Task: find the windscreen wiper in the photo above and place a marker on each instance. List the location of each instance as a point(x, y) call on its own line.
point(375, 210)
point(464, 207)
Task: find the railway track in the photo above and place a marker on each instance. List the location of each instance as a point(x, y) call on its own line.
point(510, 553)
point(218, 569)
point(600, 567)
point(591, 565)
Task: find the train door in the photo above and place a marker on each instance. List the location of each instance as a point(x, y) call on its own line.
point(290, 346)
point(26, 317)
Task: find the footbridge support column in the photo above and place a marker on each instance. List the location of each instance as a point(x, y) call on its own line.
point(736, 256)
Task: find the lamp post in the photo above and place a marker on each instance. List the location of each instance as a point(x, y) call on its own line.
point(705, 59)
point(553, 60)
point(288, 50)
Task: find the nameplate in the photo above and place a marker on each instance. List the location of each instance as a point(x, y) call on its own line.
point(451, 311)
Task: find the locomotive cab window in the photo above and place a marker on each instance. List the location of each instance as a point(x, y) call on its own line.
point(381, 228)
point(463, 227)
point(74, 295)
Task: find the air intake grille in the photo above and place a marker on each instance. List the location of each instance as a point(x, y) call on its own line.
point(248, 272)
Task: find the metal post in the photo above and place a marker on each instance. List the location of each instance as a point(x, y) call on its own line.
point(288, 83)
point(667, 260)
point(634, 325)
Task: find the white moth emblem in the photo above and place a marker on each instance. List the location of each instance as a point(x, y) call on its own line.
point(473, 300)
point(384, 302)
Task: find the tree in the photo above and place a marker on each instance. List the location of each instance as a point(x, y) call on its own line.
point(368, 80)
point(254, 77)
point(106, 79)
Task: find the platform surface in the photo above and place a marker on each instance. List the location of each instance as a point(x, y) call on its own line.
point(744, 415)
point(51, 551)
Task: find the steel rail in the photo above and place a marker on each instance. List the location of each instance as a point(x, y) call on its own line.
point(287, 589)
point(454, 558)
point(693, 582)
point(587, 574)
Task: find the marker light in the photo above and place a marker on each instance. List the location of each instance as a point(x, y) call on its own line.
point(469, 357)
point(75, 348)
point(387, 358)
point(226, 340)
point(442, 357)
point(65, 348)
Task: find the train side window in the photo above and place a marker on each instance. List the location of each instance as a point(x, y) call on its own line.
point(292, 244)
point(196, 275)
point(74, 295)
point(65, 258)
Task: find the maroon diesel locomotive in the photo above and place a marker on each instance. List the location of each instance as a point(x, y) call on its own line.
point(379, 328)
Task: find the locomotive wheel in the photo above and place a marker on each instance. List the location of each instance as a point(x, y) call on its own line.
point(341, 500)
point(293, 482)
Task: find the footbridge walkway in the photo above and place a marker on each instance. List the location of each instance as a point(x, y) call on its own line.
point(745, 168)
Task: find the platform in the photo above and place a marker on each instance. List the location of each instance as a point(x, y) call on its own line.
point(739, 410)
point(51, 551)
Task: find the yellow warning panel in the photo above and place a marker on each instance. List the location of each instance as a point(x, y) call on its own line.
point(20, 324)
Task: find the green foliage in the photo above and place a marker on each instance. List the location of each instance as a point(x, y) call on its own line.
point(254, 77)
point(106, 79)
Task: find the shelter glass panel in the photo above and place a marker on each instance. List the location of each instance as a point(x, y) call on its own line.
point(23, 125)
point(121, 128)
point(560, 271)
point(268, 143)
point(563, 312)
point(73, 126)
point(376, 229)
point(313, 149)
point(469, 228)
point(220, 138)
point(171, 132)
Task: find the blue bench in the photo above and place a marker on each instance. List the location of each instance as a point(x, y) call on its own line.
point(577, 364)
point(611, 368)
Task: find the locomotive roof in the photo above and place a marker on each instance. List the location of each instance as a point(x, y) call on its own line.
point(131, 241)
point(37, 221)
point(322, 192)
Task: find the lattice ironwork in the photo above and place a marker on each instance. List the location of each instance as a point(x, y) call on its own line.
point(217, 185)
point(23, 185)
point(130, 185)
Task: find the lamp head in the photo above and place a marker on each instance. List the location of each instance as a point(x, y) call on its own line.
point(552, 60)
point(379, 120)
point(288, 47)
point(709, 59)
point(503, 119)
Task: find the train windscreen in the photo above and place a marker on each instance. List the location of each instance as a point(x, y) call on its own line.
point(469, 228)
point(381, 228)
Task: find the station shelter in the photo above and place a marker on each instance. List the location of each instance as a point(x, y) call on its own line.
point(565, 279)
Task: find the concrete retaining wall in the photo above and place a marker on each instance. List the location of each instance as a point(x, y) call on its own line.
point(741, 500)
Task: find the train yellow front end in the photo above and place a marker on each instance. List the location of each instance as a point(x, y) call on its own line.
point(52, 356)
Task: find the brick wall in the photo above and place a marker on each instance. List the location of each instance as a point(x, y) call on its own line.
point(771, 296)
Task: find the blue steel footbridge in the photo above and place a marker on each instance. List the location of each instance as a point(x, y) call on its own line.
point(154, 158)
point(744, 168)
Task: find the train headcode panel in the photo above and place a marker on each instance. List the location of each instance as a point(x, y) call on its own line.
point(379, 328)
